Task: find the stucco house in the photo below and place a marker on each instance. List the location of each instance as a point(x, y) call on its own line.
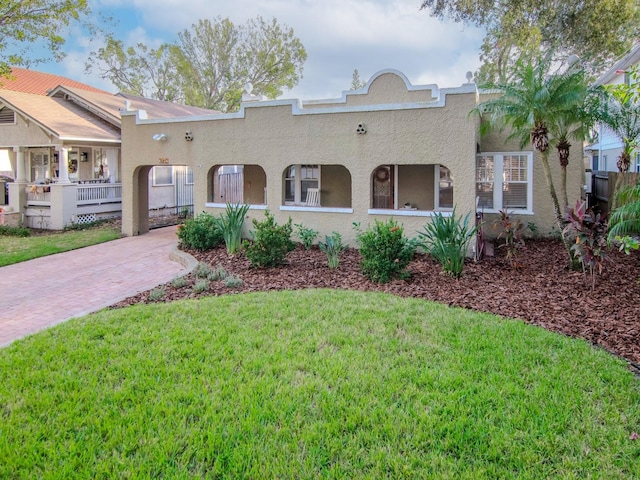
point(61, 142)
point(603, 154)
point(390, 149)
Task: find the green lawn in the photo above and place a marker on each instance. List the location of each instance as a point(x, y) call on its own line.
point(20, 249)
point(313, 384)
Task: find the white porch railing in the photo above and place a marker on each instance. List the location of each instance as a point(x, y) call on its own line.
point(38, 194)
point(101, 193)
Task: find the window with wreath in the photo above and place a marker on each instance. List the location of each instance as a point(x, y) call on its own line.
point(504, 181)
point(412, 187)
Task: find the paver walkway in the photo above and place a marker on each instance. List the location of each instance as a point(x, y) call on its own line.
point(48, 290)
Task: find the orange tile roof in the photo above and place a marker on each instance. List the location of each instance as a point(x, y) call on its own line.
point(39, 83)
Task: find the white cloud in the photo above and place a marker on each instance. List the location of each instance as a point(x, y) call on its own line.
point(339, 35)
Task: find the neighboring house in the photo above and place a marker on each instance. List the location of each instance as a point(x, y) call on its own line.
point(603, 154)
point(390, 149)
point(62, 142)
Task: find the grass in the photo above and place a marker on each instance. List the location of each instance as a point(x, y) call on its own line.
point(313, 384)
point(20, 249)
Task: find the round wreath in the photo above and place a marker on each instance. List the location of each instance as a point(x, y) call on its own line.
point(382, 174)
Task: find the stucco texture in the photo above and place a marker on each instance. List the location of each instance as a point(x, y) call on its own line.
point(405, 127)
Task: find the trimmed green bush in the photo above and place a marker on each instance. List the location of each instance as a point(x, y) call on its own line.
point(200, 233)
point(307, 235)
point(271, 242)
point(9, 231)
point(385, 251)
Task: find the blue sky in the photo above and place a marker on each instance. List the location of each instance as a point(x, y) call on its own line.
point(339, 35)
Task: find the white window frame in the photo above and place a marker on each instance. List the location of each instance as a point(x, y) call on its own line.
point(297, 179)
point(498, 181)
point(155, 183)
point(436, 188)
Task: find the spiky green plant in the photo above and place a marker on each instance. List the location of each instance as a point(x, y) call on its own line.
point(446, 238)
point(231, 222)
point(333, 247)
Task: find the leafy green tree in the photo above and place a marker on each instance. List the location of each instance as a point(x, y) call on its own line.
point(209, 64)
point(137, 70)
point(216, 59)
point(25, 22)
point(596, 30)
point(356, 83)
point(531, 107)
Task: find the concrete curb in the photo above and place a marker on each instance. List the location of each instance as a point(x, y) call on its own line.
point(184, 259)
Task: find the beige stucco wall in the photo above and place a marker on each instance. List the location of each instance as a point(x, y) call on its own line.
point(335, 190)
point(543, 216)
point(255, 181)
point(415, 186)
point(273, 135)
point(383, 88)
point(23, 133)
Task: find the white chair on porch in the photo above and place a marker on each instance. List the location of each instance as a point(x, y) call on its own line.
point(313, 197)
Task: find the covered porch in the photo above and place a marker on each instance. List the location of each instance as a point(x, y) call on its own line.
point(56, 186)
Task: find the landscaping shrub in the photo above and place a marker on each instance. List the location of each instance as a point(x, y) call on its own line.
point(385, 251)
point(179, 282)
point(9, 231)
point(446, 239)
point(156, 294)
point(590, 231)
point(233, 282)
point(511, 232)
point(271, 242)
point(307, 235)
point(201, 286)
point(202, 270)
point(231, 222)
point(200, 233)
point(333, 247)
point(85, 226)
point(218, 273)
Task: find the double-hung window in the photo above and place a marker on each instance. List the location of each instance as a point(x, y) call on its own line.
point(504, 181)
point(298, 180)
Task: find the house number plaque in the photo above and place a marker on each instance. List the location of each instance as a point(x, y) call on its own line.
point(164, 160)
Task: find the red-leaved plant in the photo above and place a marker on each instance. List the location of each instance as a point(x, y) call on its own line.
point(511, 233)
point(590, 231)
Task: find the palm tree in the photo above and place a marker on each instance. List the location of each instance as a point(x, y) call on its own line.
point(573, 124)
point(620, 113)
point(625, 219)
point(534, 105)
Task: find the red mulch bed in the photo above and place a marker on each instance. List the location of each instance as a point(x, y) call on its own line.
point(542, 292)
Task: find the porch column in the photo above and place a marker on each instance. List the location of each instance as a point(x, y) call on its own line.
point(17, 189)
point(113, 163)
point(21, 171)
point(63, 165)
